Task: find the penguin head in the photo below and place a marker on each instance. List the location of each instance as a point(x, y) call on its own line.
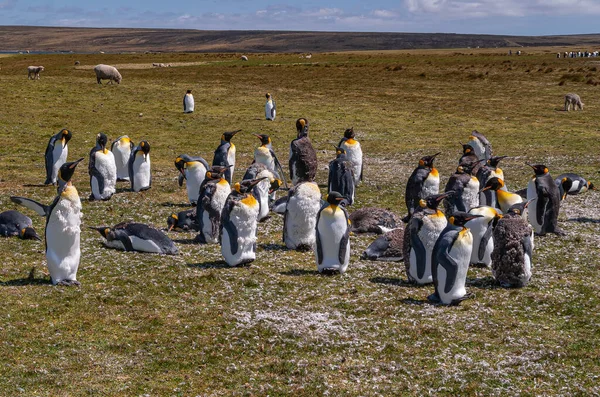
point(495, 160)
point(217, 171)
point(335, 198)
point(302, 127)
point(247, 185)
point(172, 221)
point(104, 231)
point(264, 139)
point(434, 200)
point(275, 185)
point(188, 92)
point(539, 169)
point(66, 136)
point(28, 233)
point(145, 148)
point(591, 186)
point(339, 151)
point(349, 133)
point(180, 162)
point(460, 218)
point(494, 184)
point(228, 135)
point(101, 140)
point(268, 95)
point(427, 161)
point(65, 173)
point(467, 149)
point(566, 183)
point(519, 208)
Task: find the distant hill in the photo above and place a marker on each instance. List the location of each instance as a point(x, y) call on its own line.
point(51, 39)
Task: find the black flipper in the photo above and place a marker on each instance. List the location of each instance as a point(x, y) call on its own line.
point(527, 246)
point(228, 225)
point(484, 241)
point(180, 179)
point(415, 225)
point(123, 237)
point(451, 267)
point(48, 159)
point(39, 208)
point(318, 238)
point(542, 203)
point(130, 167)
point(345, 238)
point(279, 168)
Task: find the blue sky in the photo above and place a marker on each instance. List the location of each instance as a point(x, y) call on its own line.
point(518, 17)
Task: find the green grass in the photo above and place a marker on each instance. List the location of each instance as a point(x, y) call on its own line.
point(190, 325)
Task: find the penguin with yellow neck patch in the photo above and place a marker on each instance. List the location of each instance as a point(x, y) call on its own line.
point(333, 236)
point(193, 171)
point(264, 154)
point(504, 199)
point(13, 223)
point(270, 107)
point(481, 145)
point(482, 230)
point(545, 201)
point(56, 154)
point(213, 194)
point(238, 224)
point(488, 171)
point(423, 182)
point(577, 185)
point(353, 153)
point(341, 176)
point(121, 149)
point(225, 154)
point(102, 169)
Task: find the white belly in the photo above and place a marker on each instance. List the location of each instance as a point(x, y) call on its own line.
point(263, 197)
point(431, 185)
point(244, 219)
point(231, 159)
point(268, 109)
point(106, 166)
point(301, 218)
point(141, 173)
point(429, 233)
point(122, 152)
point(189, 104)
point(59, 155)
point(142, 245)
point(478, 227)
point(471, 194)
point(331, 229)
point(461, 253)
point(194, 176)
point(354, 154)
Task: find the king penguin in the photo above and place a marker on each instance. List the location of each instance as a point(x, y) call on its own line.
point(470, 159)
point(341, 176)
point(121, 149)
point(238, 224)
point(13, 223)
point(102, 169)
point(270, 107)
point(482, 229)
point(374, 220)
point(264, 189)
point(183, 220)
point(450, 260)
point(578, 184)
point(300, 215)
point(213, 193)
point(513, 248)
point(420, 235)
point(353, 153)
point(545, 201)
point(423, 182)
point(188, 102)
point(139, 167)
point(333, 235)
point(481, 145)
point(63, 220)
point(303, 157)
point(56, 154)
point(466, 191)
point(132, 236)
point(490, 170)
point(264, 154)
point(504, 199)
point(193, 170)
point(225, 154)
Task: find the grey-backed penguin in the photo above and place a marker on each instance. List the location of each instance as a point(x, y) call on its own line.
point(238, 224)
point(578, 184)
point(56, 154)
point(341, 176)
point(513, 248)
point(13, 223)
point(264, 154)
point(188, 102)
point(303, 203)
point(332, 235)
point(470, 159)
point(183, 220)
point(132, 236)
point(63, 219)
point(102, 169)
point(388, 247)
point(482, 229)
point(450, 260)
point(466, 191)
point(424, 181)
point(264, 189)
point(353, 153)
point(270, 108)
point(481, 145)
point(374, 220)
point(504, 199)
point(420, 235)
point(121, 149)
point(140, 176)
point(225, 154)
point(545, 201)
point(193, 170)
point(303, 157)
point(490, 170)
point(213, 193)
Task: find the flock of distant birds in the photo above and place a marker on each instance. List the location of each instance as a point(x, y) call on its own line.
point(484, 224)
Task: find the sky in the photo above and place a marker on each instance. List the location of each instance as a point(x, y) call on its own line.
point(512, 17)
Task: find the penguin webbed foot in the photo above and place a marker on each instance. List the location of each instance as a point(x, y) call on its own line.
point(560, 232)
point(434, 298)
point(266, 218)
point(457, 302)
point(69, 283)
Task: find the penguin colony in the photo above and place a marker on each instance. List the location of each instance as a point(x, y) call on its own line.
point(483, 225)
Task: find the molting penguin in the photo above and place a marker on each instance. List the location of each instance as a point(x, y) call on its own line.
point(505, 199)
point(193, 170)
point(270, 108)
point(420, 235)
point(374, 220)
point(423, 182)
point(387, 248)
point(139, 167)
point(102, 169)
point(545, 201)
point(513, 248)
point(213, 193)
point(300, 215)
point(341, 176)
point(353, 153)
point(482, 229)
point(450, 260)
point(183, 220)
point(56, 154)
point(466, 191)
point(13, 223)
point(264, 154)
point(225, 154)
point(264, 189)
point(481, 145)
point(121, 149)
point(188, 102)
point(132, 236)
point(303, 157)
point(486, 172)
point(63, 218)
point(578, 184)
point(333, 236)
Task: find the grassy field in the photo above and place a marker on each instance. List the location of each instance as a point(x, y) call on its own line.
point(144, 324)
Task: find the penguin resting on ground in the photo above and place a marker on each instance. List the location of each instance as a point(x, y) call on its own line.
point(374, 220)
point(56, 154)
point(302, 205)
point(303, 157)
point(13, 223)
point(139, 167)
point(270, 108)
point(63, 219)
point(578, 184)
point(482, 229)
point(387, 248)
point(132, 236)
point(121, 149)
point(102, 169)
point(332, 235)
point(225, 154)
point(341, 176)
point(353, 153)
point(545, 202)
point(188, 102)
point(183, 220)
point(213, 193)
point(193, 170)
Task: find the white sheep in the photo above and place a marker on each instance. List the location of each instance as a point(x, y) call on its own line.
point(244, 58)
point(107, 72)
point(33, 72)
point(574, 101)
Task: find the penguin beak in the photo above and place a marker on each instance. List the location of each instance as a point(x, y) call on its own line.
point(435, 155)
point(170, 228)
point(255, 182)
point(485, 188)
point(443, 196)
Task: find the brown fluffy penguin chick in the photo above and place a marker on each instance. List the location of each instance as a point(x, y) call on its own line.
point(388, 247)
point(374, 220)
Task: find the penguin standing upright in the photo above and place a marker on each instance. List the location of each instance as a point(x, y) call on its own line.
point(238, 224)
point(423, 182)
point(341, 176)
point(270, 108)
point(490, 170)
point(333, 235)
point(353, 153)
point(102, 169)
point(470, 159)
point(56, 154)
point(13, 223)
point(139, 167)
point(300, 216)
point(225, 154)
point(193, 170)
point(63, 219)
point(513, 248)
point(420, 235)
point(263, 190)
point(133, 236)
point(504, 199)
point(188, 102)
point(121, 149)
point(481, 145)
point(482, 229)
point(213, 193)
point(578, 184)
point(264, 154)
point(450, 260)
point(303, 157)
point(466, 191)
point(545, 201)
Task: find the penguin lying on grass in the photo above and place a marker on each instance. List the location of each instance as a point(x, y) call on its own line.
point(183, 220)
point(132, 236)
point(13, 223)
point(374, 220)
point(388, 248)
point(577, 184)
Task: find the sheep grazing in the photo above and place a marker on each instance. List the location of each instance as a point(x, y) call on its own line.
point(106, 72)
point(33, 72)
point(574, 101)
point(77, 63)
point(244, 58)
